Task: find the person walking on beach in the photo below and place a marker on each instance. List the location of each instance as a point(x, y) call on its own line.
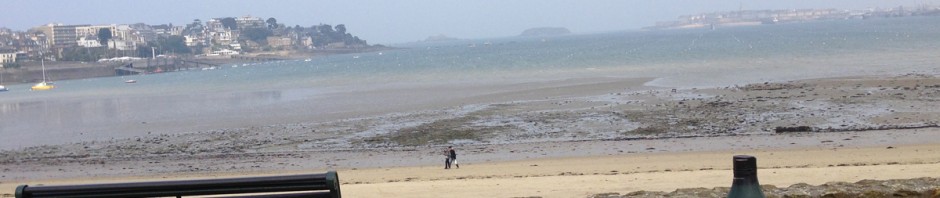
point(446, 160)
point(452, 156)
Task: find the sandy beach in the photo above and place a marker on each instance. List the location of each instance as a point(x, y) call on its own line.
point(614, 173)
point(572, 138)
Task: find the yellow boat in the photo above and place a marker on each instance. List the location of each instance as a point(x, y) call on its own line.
point(42, 86)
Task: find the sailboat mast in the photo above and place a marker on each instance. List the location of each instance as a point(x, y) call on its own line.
point(43, 63)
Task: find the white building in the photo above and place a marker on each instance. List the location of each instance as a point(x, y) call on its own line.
point(191, 40)
point(248, 22)
point(88, 41)
point(215, 25)
point(224, 52)
point(122, 44)
point(92, 30)
point(176, 30)
point(7, 58)
point(223, 37)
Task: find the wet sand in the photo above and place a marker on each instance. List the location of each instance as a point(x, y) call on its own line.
point(563, 139)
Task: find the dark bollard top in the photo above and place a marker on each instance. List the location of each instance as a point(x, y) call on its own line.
point(745, 165)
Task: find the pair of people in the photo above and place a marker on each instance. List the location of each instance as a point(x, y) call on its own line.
point(450, 157)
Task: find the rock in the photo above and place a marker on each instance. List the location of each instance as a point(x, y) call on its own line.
point(793, 129)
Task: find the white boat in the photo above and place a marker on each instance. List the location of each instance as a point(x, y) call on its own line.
point(2, 88)
point(130, 81)
point(307, 60)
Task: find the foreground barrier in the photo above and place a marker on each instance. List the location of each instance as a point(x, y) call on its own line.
point(324, 185)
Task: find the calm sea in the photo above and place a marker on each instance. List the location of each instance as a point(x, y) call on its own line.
point(234, 95)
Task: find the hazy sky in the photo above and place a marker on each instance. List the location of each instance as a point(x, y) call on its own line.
point(396, 21)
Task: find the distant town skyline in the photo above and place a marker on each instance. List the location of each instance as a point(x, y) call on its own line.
point(389, 22)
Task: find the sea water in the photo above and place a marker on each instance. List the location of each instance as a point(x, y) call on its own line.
point(289, 91)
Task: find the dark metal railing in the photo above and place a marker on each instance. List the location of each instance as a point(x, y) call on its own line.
point(326, 185)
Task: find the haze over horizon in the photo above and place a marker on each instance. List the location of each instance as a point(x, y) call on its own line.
point(389, 22)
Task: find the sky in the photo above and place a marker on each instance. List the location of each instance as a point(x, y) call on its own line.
point(399, 21)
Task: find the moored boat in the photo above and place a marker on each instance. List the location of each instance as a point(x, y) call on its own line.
point(2, 88)
point(42, 86)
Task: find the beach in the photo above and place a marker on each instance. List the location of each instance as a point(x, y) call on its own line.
point(566, 138)
point(608, 173)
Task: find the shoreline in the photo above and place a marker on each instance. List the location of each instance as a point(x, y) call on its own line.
point(77, 70)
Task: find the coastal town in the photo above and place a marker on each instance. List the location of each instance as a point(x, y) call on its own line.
point(743, 17)
point(64, 47)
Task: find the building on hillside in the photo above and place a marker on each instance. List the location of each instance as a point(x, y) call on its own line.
point(215, 25)
point(143, 33)
point(64, 35)
point(278, 42)
point(224, 37)
point(307, 42)
point(176, 30)
point(88, 41)
point(7, 58)
point(194, 40)
point(122, 44)
point(248, 22)
point(92, 30)
point(33, 43)
point(251, 45)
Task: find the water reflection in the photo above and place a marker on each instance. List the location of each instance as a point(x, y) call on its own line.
point(27, 123)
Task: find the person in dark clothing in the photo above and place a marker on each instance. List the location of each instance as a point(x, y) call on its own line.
point(453, 156)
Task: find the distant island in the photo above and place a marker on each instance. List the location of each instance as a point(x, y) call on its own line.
point(545, 31)
point(440, 37)
point(769, 17)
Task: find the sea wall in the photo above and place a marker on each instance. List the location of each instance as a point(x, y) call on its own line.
point(19, 76)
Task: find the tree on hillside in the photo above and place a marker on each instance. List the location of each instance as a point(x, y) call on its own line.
point(88, 54)
point(341, 29)
point(259, 35)
point(229, 22)
point(104, 35)
point(324, 35)
point(325, 29)
point(194, 27)
point(172, 43)
point(272, 23)
point(196, 23)
point(143, 51)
